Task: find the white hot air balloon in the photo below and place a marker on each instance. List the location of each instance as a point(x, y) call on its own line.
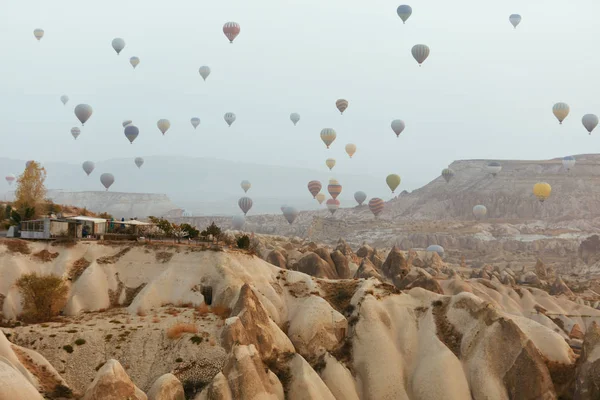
point(204, 71)
point(64, 99)
point(107, 180)
point(420, 52)
point(88, 167)
point(127, 122)
point(295, 117)
point(589, 121)
point(38, 33)
point(238, 222)
point(290, 214)
point(398, 126)
point(83, 112)
point(404, 12)
point(479, 211)
point(163, 125)
point(561, 111)
point(195, 122)
point(118, 44)
point(229, 118)
point(75, 132)
point(515, 19)
point(246, 185)
point(134, 61)
point(139, 161)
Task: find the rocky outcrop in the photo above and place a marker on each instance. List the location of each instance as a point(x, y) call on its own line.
point(560, 287)
point(395, 267)
point(276, 258)
point(313, 265)
point(341, 265)
point(13, 385)
point(365, 251)
point(427, 283)
point(587, 385)
point(166, 387)
point(344, 248)
point(113, 383)
point(367, 270)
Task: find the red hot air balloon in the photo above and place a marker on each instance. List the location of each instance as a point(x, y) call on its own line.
point(334, 189)
point(231, 30)
point(333, 205)
point(314, 187)
point(376, 206)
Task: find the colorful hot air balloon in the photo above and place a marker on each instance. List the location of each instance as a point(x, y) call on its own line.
point(83, 112)
point(118, 44)
point(376, 205)
point(38, 33)
point(420, 52)
point(320, 198)
point(231, 30)
point(334, 189)
point(589, 121)
point(561, 111)
point(75, 132)
point(295, 117)
point(131, 133)
point(350, 149)
point(64, 99)
point(245, 204)
point(163, 125)
point(568, 162)
point(360, 197)
point(134, 61)
point(314, 187)
point(542, 191)
point(290, 214)
point(393, 181)
point(330, 162)
point(127, 122)
point(447, 174)
point(328, 136)
point(333, 205)
point(139, 161)
point(479, 211)
point(88, 167)
point(107, 180)
point(10, 178)
point(341, 105)
point(494, 168)
point(204, 71)
point(229, 118)
point(246, 185)
point(404, 12)
point(515, 19)
point(195, 122)
point(398, 126)
point(238, 222)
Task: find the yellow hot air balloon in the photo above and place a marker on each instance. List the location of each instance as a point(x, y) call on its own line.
point(542, 191)
point(320, 198)
point(330, 162)
point(393, 181)
point(350, 149)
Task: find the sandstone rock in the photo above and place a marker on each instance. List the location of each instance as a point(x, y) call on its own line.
point(113, 383)
point(436, 262)
point(589, 250)
point(576, 332)
point(367, 270)
point(276, 258)
point(344, 248)
point(341, 265)
point(587, 385)
point(540, 269)
point(167, 387)
point(365, 251)
point(314, 265)
point(311, 246)
point(395, 266)
point(530, 278)
point(326, 256)
point(414, 260)
point(560, 287)
point(426, 283)
point(13, 385)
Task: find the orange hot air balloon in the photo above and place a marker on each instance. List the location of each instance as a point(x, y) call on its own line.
point(376, 205)
point(334, 189)
point(314, 187)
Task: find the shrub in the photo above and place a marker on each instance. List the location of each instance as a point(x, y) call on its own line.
point(196, 339)
point(17, 246)
point(68, 348)
point(178, 360)
point(42, 296)
point(177, 330)
point(203, 309)
point(63, 391)
point(80, 342)
point(243, 242)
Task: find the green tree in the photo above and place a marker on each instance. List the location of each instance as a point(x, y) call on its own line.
point(212, 230)
point(31, 192)
point(192, 232)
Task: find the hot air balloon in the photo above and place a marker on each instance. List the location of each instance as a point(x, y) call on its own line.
point(118, 44)
point(88, 167)
point(139, 161)
point(590, 121)
point(341, 105)
point(398, 126)
point(204, 71)
point(376, 205)
point(64, 99)
point(314, 187)
point(404, 12)
point(328, 136)
point(38, 33)
point(333, 205)
point(350, 149)
point(479, 211)
point(542, 191)
point(134, 61)
point(568, 162)
point(246, 185)
point(420, 52)
point(131, 132)
point(393, 181)
point(320, 198)
point(360, 197)
point(163, 125)
point(127, 122)
point(334, 189)
point(10, 178)
point(83, 112)
point(561, 111)
point(231, 30)
point(107, 180)
point(330, 162)
point(295, 117)
point(245, 204)
point(283, 207)
point(447, 174)
point(229, 118)
point(75, 132)
point(195, 122)
point(494, 168)
point(290, 213)
point(238, 222)
point(515, 19)
point(434, 248)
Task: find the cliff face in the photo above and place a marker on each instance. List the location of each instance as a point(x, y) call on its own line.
point(117, 204)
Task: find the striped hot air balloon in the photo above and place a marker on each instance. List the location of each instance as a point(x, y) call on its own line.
point(231, 30)
point(333, 205)
point(314, 187)
point(376, 205)
point(447, 174)
point(334, 189)
point(328, 136)
point(341, 105)
point(245, 204)
point(420, 52)
point(561, 111)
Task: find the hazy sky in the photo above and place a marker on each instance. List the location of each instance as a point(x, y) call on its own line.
point(486, 90)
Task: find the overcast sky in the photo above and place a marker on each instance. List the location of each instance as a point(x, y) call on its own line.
point(486, 90)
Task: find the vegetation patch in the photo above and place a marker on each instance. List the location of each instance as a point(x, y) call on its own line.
point(45, 255)
point(445, 331)
point(163, 257)
point(196, 339)
point(177, 330)
point(114, 258)
point(80, 342)
point(339, 294)
point(68, 348)
point(42, 296)
point(62, 391)
point(16, 246)
point(78, 268)
point(221, 311)
point(65, 242)
point(130, 294)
